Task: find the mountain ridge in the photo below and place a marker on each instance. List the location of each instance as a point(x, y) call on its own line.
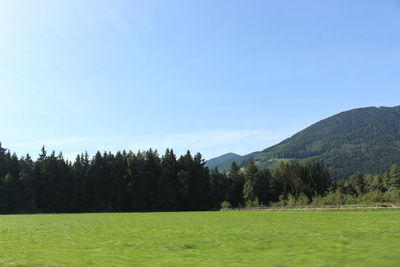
point(365, 140)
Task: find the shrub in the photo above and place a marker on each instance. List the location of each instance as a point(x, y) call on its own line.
point(253, 204)
point(373, 197)
point(302, 200)
point(281, 203)
point(291, 200)
point(225, 205)
point(393, 196)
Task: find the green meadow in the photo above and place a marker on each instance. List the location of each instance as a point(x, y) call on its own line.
point(227, 238)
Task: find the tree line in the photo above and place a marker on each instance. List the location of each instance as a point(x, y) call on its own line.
point(366, 189)
point(146, 181)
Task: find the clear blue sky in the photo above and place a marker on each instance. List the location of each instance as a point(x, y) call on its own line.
point(209, 76)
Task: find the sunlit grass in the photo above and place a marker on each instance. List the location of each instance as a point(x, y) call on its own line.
point(241, 238)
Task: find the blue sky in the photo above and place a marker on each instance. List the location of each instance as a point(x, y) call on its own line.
point(209, 76)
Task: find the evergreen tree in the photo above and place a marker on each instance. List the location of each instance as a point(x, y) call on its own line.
point(168, 182)
point(42, 182)
point(219, 185)
point(358, 183)
point(194, 187)
point(3, 169)
point(235, 193)
point(249, 190)
point(119, 176)
point(394, 177)
point(80, 171)
point(9, 196)
point(151, 174)
point(262, 186)
point(27, 184)
point(318, 179)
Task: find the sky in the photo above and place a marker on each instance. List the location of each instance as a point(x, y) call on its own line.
point(212, 76)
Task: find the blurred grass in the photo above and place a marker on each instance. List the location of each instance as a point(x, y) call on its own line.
point(232, 238)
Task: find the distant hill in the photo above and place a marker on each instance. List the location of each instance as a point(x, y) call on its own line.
point(224, 162)
point(363, 140)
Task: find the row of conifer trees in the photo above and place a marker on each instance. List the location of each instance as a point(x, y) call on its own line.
point(146, 181)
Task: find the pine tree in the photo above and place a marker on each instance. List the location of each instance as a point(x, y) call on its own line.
point(249, 190)
point(235, 193)
point(168, 182)
point(219, 185)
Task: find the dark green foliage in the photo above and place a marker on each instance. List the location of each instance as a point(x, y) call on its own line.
point(262, 185)
point(219, 185)
point(80, 171)
point(146, 182)
point(393, 178)
point(310, 179)
point(194, 192)
point(249, 189)
point(235, 191)
point(168, 183)
point(9, 194)
point(107, 182)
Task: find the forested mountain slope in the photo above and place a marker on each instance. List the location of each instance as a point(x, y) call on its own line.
point(223, 162)
point(363, 140)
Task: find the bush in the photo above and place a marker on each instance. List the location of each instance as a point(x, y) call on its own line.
point(225, 205)
point(253, 204)
point(302, 200)
point(373, 197)
point(393, 196)
point(291, 200)
point(335, 198)
point(281, 203)
point(298, 201)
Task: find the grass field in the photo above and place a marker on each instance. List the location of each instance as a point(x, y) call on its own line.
point(231, 238)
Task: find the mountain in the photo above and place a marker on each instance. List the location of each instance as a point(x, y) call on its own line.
point(224, 162)
point(365, 140)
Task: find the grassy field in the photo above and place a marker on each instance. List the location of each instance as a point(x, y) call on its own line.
point(231, 238)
